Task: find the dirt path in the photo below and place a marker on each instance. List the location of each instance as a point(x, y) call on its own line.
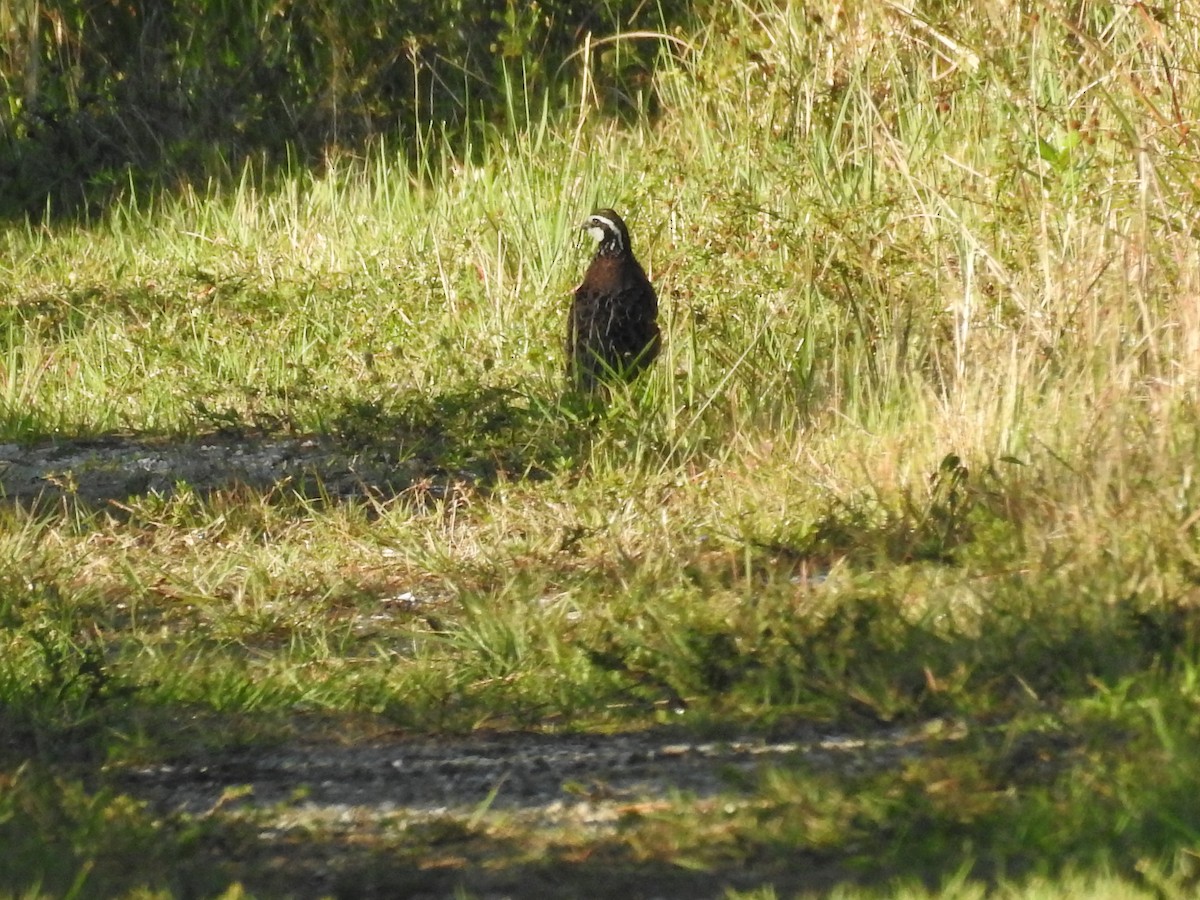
point(116, 468)
point(526, 771)
point(496, 816)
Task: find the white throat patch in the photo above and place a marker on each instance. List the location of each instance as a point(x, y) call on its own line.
point(602, 227)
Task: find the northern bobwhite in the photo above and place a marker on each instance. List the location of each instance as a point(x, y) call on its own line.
point(611, 333)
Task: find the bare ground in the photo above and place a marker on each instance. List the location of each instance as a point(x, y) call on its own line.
point(499, 815)
point(115, 468)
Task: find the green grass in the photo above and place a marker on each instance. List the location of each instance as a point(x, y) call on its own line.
point(921, 449)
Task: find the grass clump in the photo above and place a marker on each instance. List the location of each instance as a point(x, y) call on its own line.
point(918, 459)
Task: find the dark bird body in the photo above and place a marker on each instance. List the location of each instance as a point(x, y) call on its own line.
point(612, 332)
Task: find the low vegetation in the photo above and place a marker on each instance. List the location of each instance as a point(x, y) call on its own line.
point(920, 452)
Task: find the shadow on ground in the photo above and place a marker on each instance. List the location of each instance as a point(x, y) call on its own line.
point(368, 450)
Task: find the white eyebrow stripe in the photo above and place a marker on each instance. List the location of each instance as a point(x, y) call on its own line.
point(612, 228)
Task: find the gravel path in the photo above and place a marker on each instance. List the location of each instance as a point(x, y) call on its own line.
point(527, 772)
point(406, 817)
point(116, 468)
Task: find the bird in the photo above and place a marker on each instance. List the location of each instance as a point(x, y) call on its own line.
point(612, 328)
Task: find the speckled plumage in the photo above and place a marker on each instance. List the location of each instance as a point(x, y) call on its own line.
point(612, 332)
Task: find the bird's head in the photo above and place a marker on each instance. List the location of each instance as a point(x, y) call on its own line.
point(609, 232)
